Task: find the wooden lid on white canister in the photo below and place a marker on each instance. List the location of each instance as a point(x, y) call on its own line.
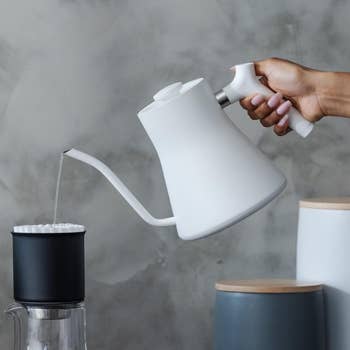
point(334, 203)
point(267, 286)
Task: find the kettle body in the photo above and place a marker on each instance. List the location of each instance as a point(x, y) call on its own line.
point(214, 175)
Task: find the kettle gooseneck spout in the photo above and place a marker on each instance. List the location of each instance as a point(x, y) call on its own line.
point(120, 187)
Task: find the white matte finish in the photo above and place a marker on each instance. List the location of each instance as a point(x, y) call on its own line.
point(214, 175)
point(323, 256)
point(120, 187)
point(246, 83)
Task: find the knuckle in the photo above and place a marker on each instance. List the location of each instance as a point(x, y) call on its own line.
point(243, 104)
point(252, 115)
point(265, 123)
point(273, 118)
point(279, 132)
point(246, 104)
point(263, 111)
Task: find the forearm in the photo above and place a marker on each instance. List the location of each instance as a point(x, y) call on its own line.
point(333, 92)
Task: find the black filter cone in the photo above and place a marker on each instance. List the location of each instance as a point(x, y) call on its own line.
point(48, 268)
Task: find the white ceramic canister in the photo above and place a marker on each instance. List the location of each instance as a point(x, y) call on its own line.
point(323, 255)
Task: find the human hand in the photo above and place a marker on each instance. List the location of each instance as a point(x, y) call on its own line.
point(294, 85)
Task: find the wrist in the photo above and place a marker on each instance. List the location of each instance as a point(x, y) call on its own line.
point(324, 87)
point(333, 93)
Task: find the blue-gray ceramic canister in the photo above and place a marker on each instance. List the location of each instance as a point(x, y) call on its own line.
point(269, 315)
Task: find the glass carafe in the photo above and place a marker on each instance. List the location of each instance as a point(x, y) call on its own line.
point(60, 327)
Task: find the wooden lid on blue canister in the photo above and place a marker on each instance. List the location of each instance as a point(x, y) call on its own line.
point(267, 286)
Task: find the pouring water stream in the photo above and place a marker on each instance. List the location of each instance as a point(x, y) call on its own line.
point(58, 185)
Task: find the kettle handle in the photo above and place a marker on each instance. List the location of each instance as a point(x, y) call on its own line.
point(246, 83)
point(120, 187)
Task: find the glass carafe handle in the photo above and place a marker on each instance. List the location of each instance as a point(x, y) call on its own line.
point(13, 311)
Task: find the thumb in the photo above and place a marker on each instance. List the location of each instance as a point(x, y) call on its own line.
point(262, 68)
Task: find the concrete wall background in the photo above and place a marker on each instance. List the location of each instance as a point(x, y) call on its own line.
point(75, 73)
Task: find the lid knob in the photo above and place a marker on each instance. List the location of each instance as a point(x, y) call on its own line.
point(168, 92)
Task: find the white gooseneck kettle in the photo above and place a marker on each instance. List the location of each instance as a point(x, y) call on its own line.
point(214, 175)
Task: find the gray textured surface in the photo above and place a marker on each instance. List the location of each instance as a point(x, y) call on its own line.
point(76, 73)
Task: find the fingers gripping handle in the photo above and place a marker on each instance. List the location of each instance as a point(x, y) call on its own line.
point(246, 83)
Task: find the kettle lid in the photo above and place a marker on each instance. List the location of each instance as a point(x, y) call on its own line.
point(169, 93)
